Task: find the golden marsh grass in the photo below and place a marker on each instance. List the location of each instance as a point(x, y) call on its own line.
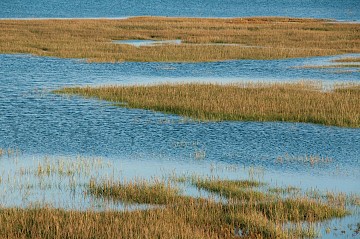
point(204, 39)
point(177, 216)
point(260, 217)
point(292, 102)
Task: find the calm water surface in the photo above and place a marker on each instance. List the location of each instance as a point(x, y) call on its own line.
point(345, 10)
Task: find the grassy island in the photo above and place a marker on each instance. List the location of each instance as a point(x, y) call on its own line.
point(202, 39)
point(292, 102)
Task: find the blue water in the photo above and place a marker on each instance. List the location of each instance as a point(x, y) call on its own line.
point(41, 123)
point(344, 10)
point(130, 143)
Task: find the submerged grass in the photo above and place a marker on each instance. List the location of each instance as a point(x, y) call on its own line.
point(292, 102)
point(203, 39)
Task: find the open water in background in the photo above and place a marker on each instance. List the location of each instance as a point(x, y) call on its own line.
point(344, 10)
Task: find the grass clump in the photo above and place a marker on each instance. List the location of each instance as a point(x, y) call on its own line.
point(202, 39)
point(135, 191)
point(235, 189)
point(300, 209)
point(291, 102)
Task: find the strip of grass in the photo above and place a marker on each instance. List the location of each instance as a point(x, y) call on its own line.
point(239, 189)
point(332, 66)
point(257, 38)
point(348, 59)
point(292, 102)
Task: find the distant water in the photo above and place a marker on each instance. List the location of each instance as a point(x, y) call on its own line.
point(344, 10)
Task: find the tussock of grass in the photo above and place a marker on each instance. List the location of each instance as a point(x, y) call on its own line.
point(292, 102)
point(299, 209)
point(135, 192)
point(256, 38)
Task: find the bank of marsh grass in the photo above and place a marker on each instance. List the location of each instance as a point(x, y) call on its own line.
point(292, 102)
point(202, 39)
point(260, 217)
point(175, 215)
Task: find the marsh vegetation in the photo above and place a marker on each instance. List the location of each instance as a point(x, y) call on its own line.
point(89, 197)
point(293, 102)
point(243, 213)
point(202, 39)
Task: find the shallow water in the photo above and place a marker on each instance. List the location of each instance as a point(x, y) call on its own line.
point(41, 123)
point(129, 143)
point(139, 43)
point(345, 10)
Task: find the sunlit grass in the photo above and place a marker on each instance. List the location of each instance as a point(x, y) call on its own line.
point(254, 38)
point(292, 102)
point(246, 208)
point(135, 191)
point(263, 215)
